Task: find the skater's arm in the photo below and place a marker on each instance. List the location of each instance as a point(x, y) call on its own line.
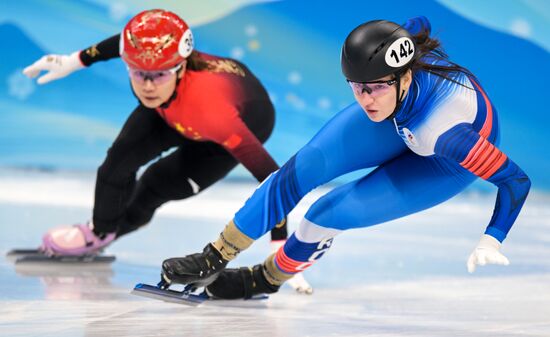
point(59, 66)
point(476, 154)
point(102, 51)
point(232, 133)
point(250, 152)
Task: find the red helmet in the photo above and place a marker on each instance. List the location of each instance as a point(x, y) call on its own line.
point(155, 40)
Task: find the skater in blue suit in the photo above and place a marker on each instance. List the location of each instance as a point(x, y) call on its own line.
point(424, 123)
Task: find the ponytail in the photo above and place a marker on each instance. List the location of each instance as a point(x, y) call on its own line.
point(431, 47)
point(196, 62)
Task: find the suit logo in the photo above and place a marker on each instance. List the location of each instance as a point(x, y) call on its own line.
point(410, 139)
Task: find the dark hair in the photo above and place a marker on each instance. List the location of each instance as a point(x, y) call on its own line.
point(431, 46)
point(196, 62)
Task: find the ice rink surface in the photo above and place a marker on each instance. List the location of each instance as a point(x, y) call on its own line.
point(403, 278)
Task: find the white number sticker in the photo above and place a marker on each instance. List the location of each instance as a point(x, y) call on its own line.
point(400, 52)
point(186, 44)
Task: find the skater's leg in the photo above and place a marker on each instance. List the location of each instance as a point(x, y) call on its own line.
point(192, 168)
point(184, 173)
point(348, 142)
point(144, 136)
point(306, 245)
point(259, 117)
point(403, 186)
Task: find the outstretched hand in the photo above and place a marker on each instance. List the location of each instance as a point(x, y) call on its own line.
point(486, 252)
point(56, 66)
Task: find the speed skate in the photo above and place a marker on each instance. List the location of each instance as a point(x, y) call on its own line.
point(29, 256)
point(190, 295)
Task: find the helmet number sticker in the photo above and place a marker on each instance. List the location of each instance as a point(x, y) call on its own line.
point(400, 52)
point(185, 46)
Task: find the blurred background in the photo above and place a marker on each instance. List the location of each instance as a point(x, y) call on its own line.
point(407, 277)
point(292, 46)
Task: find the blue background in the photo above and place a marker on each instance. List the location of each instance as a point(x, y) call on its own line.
point(292, 46)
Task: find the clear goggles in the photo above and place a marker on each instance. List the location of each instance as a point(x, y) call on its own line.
point(157, 77)
point(374, 88)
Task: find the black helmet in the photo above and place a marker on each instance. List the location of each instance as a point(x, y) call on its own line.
point(376, 49)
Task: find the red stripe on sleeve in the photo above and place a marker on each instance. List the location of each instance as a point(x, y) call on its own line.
point(496, 162)
point(482, 156)
point(472, 155)
point(484, 159)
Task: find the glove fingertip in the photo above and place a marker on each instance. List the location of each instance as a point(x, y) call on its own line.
point(43, 80)
point(470, 265)
point(307, 291)
point(30, 73)
point(482, 260)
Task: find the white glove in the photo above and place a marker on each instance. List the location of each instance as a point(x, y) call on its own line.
point(297, 282)
point(57, 66)
point(487, 251)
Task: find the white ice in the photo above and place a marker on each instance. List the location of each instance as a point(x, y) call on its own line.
point(403, 278)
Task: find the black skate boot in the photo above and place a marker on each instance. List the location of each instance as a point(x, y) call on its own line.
point(244, 282)
point(198, 269)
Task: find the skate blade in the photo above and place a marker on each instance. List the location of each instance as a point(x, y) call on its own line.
point(185, 298)
point(23, 252)
point(14, 254)
point(35, 256)
point(168, 295)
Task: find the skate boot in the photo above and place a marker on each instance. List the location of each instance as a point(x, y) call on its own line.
point(76, 240)
point(199, 269)
point(241, 283)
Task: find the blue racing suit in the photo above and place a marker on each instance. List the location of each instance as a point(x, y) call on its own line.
point(444, 135)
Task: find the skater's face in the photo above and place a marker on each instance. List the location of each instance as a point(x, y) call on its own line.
point(378, 98)
point(153, 88)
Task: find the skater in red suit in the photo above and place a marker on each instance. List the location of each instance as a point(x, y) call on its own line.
point(212, 110)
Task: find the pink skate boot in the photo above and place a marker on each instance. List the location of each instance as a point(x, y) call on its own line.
point(76, 240)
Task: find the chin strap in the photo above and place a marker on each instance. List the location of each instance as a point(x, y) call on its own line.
point(398, 99)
